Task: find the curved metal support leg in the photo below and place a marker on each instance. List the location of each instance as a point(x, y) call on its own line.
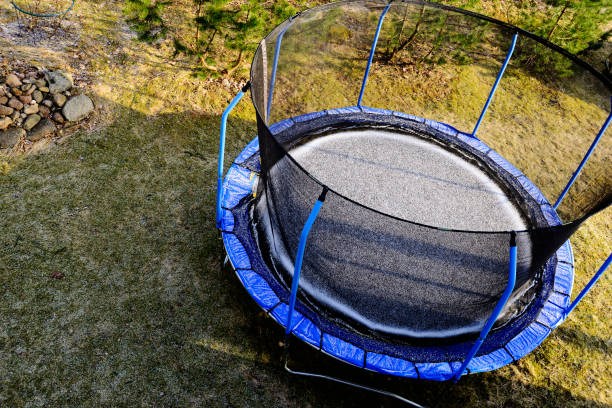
point(226, 113)
point(349, 383)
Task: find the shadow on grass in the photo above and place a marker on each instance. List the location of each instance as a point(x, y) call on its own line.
point(594, 343)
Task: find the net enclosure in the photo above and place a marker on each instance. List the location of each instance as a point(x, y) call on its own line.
point(409, 155)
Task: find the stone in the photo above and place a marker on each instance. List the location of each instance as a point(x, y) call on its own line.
point(47, 103)
point(59, 81)
point(30, 109)
point(5, 122)
point(59, 99)
point(77, 108)
point(43, 129)
point(10, 137)
point(15, 104)
point(40, 83)
point(25, 99)
point(30, 91)
point(26, 87)
point(44, 111)
point(43, 89)
point(3, 100)
point(16, 92)
point(31, 121)
point(37, 96)
point(15, 116)
point(6, 111)
point(2, 91)
point(13, 81)
point(58, 117)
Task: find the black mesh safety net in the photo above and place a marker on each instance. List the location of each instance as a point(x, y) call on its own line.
point(412, 241)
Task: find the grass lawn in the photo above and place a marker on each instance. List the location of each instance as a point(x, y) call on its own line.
point(145, 314)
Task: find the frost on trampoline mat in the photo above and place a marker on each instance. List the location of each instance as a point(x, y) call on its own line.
point(410, 178)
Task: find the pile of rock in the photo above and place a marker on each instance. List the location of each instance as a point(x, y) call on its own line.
point(35, 104)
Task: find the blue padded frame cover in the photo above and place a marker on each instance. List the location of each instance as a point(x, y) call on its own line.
point(239, 183)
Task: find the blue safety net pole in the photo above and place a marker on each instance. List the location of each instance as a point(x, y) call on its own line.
point(226, 113)
point(585, 159)
point(589, 285)
point(300, 256)
point(495, 85)
point(279, 41)
point(498, 308)
point(372, 51)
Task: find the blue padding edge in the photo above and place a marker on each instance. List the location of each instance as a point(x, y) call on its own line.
point(238, 256)
point(378, 111)
point(564, 279)
point(238, 184)
point(280, 126)
point(565, 254)
point(309, 116)
point(551, 216)
point(559, 299)
point(409, 117)
point(504, 164)
point(280, 313)
point(442, 127)
point(475, 143)
point(308, 331)
point(248, 151)
point(490, 361)
point(258, 288)
point(391, 365)
point(527, 340)
point(227, 220)
point(343, 350)
point(435, 371)
point(532, 190)
point(551, 315)
point(340, 111)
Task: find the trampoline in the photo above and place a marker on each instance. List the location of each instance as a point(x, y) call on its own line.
point(370, 227)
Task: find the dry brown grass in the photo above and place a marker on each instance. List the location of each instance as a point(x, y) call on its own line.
point(145, 314)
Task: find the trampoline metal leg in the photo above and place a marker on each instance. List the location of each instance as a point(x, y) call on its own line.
point(226, 113)
point(341, 381)
point(498, 308)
